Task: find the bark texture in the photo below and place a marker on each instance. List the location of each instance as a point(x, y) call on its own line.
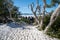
point(43, 14)
point(53, 18)
point(35, 11)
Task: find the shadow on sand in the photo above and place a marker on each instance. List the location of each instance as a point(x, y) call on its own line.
point(16, 25)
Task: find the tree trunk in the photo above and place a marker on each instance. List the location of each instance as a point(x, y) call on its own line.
point(36, 18)
point(53, 18)
point(43, 14)
point(10, 15)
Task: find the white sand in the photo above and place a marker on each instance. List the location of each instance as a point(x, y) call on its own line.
point(21, 32)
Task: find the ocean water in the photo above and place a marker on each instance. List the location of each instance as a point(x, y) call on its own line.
point(28, 15)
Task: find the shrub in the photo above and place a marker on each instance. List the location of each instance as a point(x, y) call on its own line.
point(27, 20)
point(54, 31)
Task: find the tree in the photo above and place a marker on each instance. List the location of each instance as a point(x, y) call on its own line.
point(15, 13)
point(7, 9)
point(43, 14)
point(3, 10)
point(54, 15)
point(36, 9)
point(9, 5)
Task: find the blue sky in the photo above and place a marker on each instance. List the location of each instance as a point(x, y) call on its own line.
point(23, 5)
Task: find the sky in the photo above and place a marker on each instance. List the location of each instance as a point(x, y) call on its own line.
point(23, 5)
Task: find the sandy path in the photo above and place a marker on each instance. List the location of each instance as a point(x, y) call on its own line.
point(22, 33)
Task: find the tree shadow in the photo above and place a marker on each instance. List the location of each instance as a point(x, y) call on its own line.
point(15, 25)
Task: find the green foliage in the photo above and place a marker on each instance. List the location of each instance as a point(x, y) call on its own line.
point(17, 20)
point(54, 31)
point(27, 20)
point(5, 12)
point(53, 3)
point(46, 21)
